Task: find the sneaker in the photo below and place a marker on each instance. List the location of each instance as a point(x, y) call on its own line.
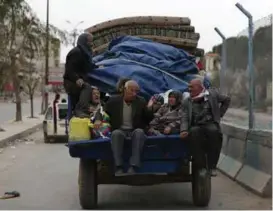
point(119, 171)
point(213, 172)
point(132, 170)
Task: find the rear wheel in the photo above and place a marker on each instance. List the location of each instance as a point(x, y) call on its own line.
point(201, 187)
point(88, 187)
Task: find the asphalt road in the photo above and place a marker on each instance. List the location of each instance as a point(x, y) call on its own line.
point(7, 110)
point(46, 177)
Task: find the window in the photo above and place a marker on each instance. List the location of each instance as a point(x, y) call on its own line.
point(63, 109)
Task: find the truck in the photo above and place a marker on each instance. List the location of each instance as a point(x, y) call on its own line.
point(165, 159)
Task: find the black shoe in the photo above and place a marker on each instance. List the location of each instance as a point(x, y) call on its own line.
point(132, 170)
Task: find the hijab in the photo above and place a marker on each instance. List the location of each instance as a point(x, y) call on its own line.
point(178, 98)
point(84, 45)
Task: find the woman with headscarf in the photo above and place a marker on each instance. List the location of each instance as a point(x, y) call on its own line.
point(99, 120)
point(167, 118)
point(78, 64)
point(121, 84)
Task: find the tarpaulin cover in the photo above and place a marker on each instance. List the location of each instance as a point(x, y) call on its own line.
point(156, 67)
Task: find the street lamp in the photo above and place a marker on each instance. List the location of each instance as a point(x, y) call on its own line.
point(46, 56)
point(223, 60)
point(251, 116)
point(74, 32)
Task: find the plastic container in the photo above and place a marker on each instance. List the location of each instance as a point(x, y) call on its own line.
point(79, 129)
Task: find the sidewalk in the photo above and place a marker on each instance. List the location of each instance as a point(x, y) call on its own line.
point(17, 130)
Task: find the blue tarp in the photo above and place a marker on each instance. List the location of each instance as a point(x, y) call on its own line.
point(155, 66)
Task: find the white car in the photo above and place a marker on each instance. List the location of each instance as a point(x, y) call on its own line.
point(55, 121)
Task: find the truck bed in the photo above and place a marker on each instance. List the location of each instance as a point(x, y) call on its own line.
point(161, 154)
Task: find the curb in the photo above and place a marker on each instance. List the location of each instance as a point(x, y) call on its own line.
point(20, 135)
point(246, 157)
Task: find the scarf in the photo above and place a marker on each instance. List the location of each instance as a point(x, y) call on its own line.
point(201, 95)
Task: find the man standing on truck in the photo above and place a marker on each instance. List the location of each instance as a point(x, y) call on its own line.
point(200, 121)
point(129, 117)
point(78, 64)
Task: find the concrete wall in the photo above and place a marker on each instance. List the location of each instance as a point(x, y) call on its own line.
point(246, 157)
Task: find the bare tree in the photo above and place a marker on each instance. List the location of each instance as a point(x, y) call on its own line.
point(24, 36)
point(30, 81)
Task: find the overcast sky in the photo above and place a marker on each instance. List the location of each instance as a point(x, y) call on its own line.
point(204, 14)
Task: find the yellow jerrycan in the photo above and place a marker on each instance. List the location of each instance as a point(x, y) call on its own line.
point(79, 129)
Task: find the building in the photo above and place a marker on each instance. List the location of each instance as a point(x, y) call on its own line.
point(212, 62)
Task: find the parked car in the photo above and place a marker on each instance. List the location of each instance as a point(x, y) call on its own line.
point(55, 120)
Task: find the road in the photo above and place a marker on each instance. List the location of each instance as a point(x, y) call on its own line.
point(7, 110)
point(46, 177)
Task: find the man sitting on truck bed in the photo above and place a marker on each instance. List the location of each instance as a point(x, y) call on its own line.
point(128, 118)
point(200, 121)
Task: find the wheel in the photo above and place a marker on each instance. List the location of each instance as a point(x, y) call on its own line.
point(46, 139)
point(88, 187)
point(201, 187)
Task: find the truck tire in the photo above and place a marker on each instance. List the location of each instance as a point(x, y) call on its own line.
point(88, 187)
point(201, 188)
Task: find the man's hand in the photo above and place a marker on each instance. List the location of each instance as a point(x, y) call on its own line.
point(79, 82)
point(184, 134)
point(167, 130)
point(101, 66)
point(151, 130)
point(150, 103)
point(97, 124)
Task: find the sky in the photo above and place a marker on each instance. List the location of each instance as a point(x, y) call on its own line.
point(204, 14)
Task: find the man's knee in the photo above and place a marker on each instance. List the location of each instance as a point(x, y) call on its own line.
point(195, 130)
point(213, 129)
point(138, 135)
point(117, 134)
point(138, 131)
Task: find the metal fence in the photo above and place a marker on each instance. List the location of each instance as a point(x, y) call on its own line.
point(246, 75)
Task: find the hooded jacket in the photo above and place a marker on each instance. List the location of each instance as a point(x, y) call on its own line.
point(79, 60)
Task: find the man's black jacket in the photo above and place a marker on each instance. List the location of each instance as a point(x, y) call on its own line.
point(77, 65)
point(140, 114)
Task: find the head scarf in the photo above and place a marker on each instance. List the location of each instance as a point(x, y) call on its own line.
point(178, 98)
point(93, 88)
point(83, 44)
point(121, 84)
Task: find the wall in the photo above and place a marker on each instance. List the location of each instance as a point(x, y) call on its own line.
point(246, 157)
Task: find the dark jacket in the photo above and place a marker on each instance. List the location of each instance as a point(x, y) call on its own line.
point(141, 115)
point(77, 65)
point(218, 111)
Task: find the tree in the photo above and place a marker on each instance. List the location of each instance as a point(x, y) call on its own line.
point(24, 35)
point(30, 81)
point(237, 62)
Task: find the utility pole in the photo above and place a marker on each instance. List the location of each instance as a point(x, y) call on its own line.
point(251, 73)
point(46, 56)
point(223, 70)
